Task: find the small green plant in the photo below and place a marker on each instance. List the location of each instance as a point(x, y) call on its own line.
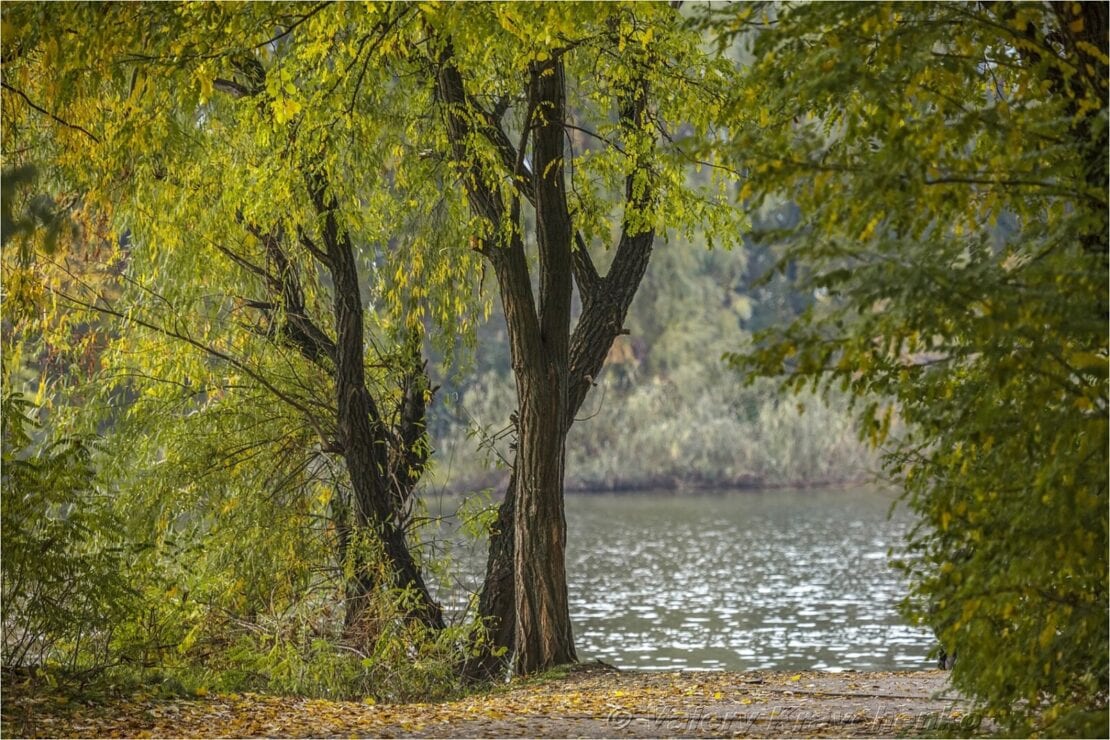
point(65, 570)
point(308, 651)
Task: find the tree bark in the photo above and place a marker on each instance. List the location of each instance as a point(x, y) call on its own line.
point(606, 300)
point(497, 600)
point(524, 598)
point(543, 635)
point(362, 434)
point(383, 464)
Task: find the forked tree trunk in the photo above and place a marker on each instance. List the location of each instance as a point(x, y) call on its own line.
point(541, 364)
point(363, 436)
point(382, 464)
point(606, 301)
point(598, 326)
point(524, 600)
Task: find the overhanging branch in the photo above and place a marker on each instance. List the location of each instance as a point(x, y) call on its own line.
point(48, 114)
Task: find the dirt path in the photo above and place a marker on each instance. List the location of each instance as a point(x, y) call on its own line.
point(589, 702)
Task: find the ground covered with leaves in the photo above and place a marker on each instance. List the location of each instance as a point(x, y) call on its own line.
point(586, 702)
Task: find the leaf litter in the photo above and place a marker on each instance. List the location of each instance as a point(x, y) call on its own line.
point(587, 701)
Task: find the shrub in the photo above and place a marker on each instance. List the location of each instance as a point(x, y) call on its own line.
point(65, 582)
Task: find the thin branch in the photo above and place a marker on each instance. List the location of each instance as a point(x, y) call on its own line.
point(384, 30)
point(47, 113)
point(298, 328)
point(314, 250)
point(232, 88)
point(294, 25)
point(244, 263)
point(1008, 181)
point(586, 275)
point(518, 164)
point(974, 180)
point(605, 140)
point(173, 333)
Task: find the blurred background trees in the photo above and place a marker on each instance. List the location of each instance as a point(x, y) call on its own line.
point(665, 399)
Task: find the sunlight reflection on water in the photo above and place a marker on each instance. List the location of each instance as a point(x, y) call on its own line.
point(738, 581)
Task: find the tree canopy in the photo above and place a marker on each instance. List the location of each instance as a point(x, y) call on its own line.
point(949, 165)
point(234, 233)
point(279, 206)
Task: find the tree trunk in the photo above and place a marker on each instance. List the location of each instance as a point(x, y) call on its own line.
point(383, 464)
point(541, 363)
point(524, 599)
point(599, 325)
point(542, 636)
point(497, 600)
point(362, 434)
point(606, 300)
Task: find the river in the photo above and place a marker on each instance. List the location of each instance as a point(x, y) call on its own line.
point(785, 580)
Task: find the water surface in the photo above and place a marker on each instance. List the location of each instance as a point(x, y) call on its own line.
point(785, 580)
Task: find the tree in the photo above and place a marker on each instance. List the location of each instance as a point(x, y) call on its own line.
point(627, 77)
point(270, 162)
point(248, 235)
point(949, 164)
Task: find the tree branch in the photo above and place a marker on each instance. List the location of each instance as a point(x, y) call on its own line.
point(547, 92)
point(232, 88)
point(384, 30)
point(314, 250)
point(48, 114)
point(174, 333)
point(297, 327)
point(293, 26)
point(350, 343)
point(585, 272)
point(507, 257)
point(606, 300)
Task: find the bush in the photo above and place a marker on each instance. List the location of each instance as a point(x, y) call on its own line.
point(957, 233)
point(307, 651)
point(65, 583)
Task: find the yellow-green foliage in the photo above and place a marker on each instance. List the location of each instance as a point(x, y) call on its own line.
point(949, 162)
point(66, 567)
point(185, 141)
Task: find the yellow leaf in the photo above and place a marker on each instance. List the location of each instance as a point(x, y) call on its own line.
point(796, 677)
point(869, 230)
point(284, 109)
point(1088, 360)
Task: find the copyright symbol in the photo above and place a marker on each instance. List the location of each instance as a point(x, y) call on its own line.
point(619, 719)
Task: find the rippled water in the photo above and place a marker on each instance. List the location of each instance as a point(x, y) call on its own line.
point(738, 581)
